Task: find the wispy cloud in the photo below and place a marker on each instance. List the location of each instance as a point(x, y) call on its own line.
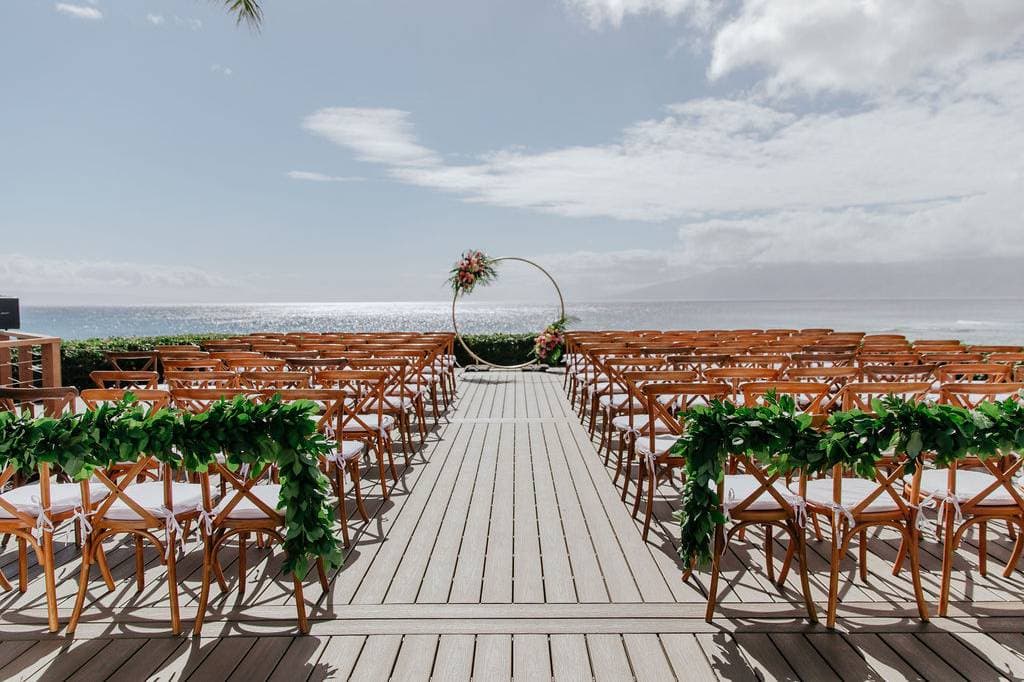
point(313, 176)
point(225, 71)
point(78, 11)
point(33, 274)
point(189, 23)
point(379, 135)
point(155, 19)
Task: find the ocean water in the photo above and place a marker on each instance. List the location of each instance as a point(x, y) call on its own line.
point(975, 321)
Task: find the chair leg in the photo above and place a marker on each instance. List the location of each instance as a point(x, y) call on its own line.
point(983, 548)
point(101, 561)
point(627, 470)
point(140, 566)
point(716, 565)
point(769, 551)
point(901, 554)
point(300, 605)
point(339, 482)
point(833, 581)
point(913, 551)
point(817, 528)
point(862, 555)
point(787, 561)
point(22, 565)
point(322, 574)
point(641, 473)
point(172, 584)
point(652, 486)
point(1018, 546)
point(805, 583)
point(358, 488)
point(948, 553)
point(204, 591)
point(4, 585)
point(49, 572)
point(83, 586)
point(243, 540)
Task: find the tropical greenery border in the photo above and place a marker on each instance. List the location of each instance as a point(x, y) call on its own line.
point(246, 432)
point(785, 441)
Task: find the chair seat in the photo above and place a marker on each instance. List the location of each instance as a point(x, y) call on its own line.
point(268, 493)
point(64, 497)
point(350, 449)
point(739, 487)
point(394, 403)
point(662, 444)
point(619, 402)
point(819, 494)
point(621, 423)
point(370, 421)
point(968, 485)
point(150, 496)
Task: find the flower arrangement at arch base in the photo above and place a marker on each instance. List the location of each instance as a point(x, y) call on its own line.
point(549, 346)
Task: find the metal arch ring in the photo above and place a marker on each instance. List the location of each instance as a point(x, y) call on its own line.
point(465, 346)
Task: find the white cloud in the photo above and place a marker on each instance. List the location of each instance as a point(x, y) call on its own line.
point(921, 169)
point(599, 13)
point(33, 274)
point(222, 70)
point(378, 135)
point(193, 24)
point(320, 177)
point(155, 19)
point(78, 11)
point(862, 45)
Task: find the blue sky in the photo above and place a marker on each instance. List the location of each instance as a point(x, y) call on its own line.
point(154, 151)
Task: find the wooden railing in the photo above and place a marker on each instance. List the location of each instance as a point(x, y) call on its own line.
point(28, 360)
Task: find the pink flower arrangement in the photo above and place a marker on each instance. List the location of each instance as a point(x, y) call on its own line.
point(472, 269)
point(550, 343)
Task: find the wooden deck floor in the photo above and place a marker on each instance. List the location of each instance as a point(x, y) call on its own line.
point(505, 552)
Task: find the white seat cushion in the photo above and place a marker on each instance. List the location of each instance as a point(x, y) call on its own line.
point(369, 420)
point(619, 401)
point(350, 449)
point(150, 496)
point(393, 402)
point(268, 493)
point(819, 493)
point(739, 487)
point(968, 485)
point(621, 423)
point(662, 444)
point(63, 497)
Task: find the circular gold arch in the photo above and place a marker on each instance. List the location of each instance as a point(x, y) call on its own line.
point(455, 323)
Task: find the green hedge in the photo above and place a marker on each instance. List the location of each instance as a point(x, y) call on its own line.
point(79, 358)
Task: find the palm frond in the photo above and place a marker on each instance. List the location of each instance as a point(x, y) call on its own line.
point(248, 11)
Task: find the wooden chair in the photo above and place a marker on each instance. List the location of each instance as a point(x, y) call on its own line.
point(250, 506)
point(140, 510)
point(401, 398)
point(968, 497)
point(131, 361)
point(152, 399)
point(362, 417)
point(992, 373)
point(30, 512)
point(854, 505)
point(261, 380)
point(261, 364)
point(897, 373)
point(655, 440)
point(736, 377)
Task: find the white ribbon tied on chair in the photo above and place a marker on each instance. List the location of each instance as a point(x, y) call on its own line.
point(43, 522)
point(206, 518)
point(171, 526)
point(839, 511)
point(799, 505)
point(82, 517)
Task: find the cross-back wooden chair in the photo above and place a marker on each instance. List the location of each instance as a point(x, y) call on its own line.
point(124, 379)
point(131, 361)
point(361, 416)
point(151, 399)
point(140, 510)
point(192, 365)
point(736, 377)
point(261, 364)
point(653, 444)
point(855, 505)
point(992, 373)
point(404, 396)
point(31, 511)
point(313, 365)
point(614, 397)
point(897, 373)
point(698, 363)
point(974, 491)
